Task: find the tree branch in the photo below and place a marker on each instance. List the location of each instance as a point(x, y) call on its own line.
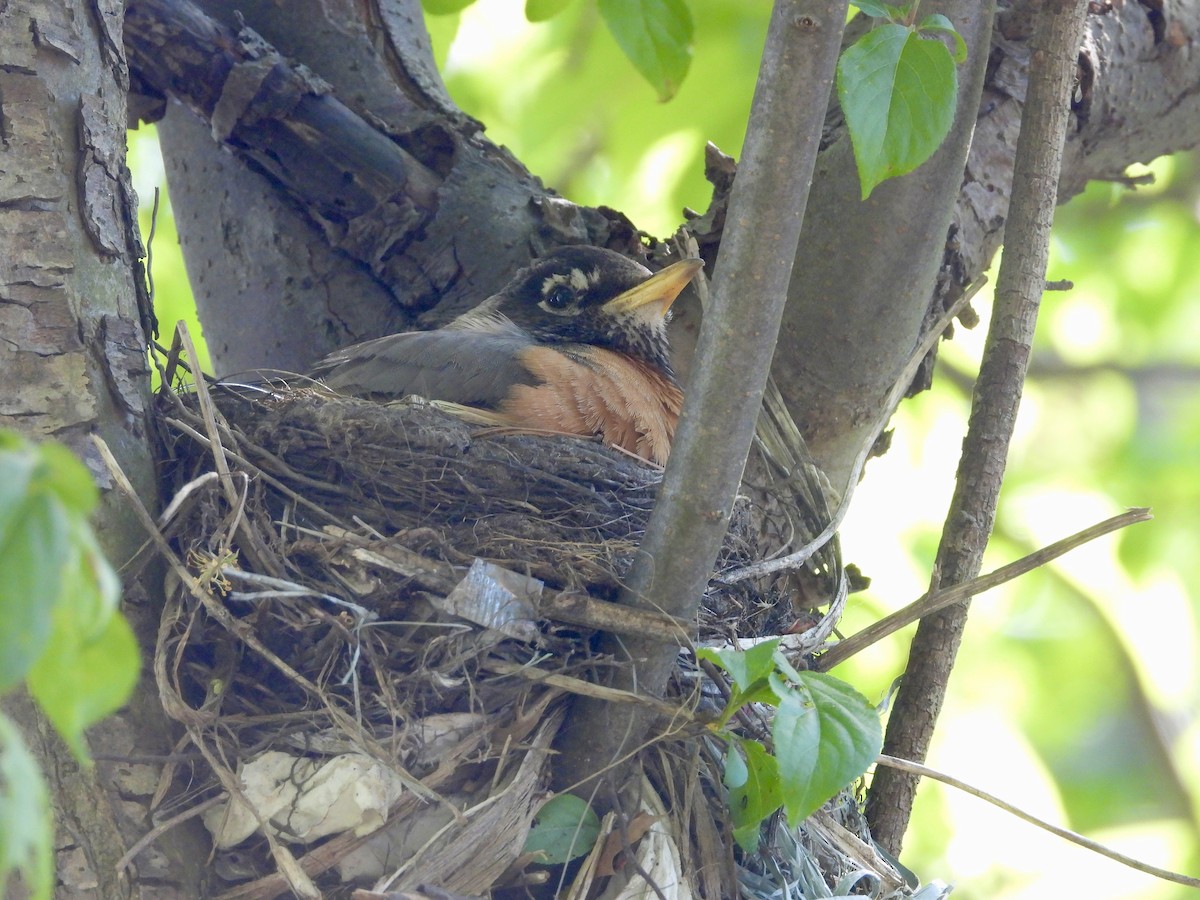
point(736, 342)
point(412, 211)
point(933, 601)
point(370, 196)
point(912, 768)
point(994, 407)
point(860, 306)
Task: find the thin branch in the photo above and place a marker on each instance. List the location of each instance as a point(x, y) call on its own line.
point(737, 337)
point(1019, 287)
point(913, 768)
point(932, 601)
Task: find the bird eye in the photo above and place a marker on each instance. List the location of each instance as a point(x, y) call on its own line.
point(560, 297)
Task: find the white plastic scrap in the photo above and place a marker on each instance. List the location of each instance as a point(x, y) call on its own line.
point(496, 598)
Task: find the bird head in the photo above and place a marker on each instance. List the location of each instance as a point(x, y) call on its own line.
point(588, 295)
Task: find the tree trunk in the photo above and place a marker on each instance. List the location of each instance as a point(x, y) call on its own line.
point(73, 363)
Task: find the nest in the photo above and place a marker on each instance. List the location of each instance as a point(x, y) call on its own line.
point(377, 614)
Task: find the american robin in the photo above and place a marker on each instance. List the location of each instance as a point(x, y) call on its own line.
point(576, 343)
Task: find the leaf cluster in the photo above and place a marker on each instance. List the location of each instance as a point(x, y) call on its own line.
point(824, 735)
point(60, 631)
point(898, 88)
point(897, 85)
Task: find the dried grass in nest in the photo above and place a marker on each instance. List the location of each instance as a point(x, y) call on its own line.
point(320, 547)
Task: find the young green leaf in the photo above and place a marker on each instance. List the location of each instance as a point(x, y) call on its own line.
point(85, 675)
point(898, 91)
point(18, 465)
point(745, 667)
point(541, 10)
point(656, 35)
point(938, 22)
point(59, 623)
point(33, 550)
point(45, 495)
point(826, 734)
point(736, 773)
point(26, 835)
point(62, 473)
point(872, 8)
point(564, 828)
point(757, 796)
point(93, 660)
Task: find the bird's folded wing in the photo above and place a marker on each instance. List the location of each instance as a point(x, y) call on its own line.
point(473, 368)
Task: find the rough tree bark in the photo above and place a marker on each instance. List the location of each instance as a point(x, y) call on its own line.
point(72, 363)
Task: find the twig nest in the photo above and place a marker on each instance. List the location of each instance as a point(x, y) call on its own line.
point(357, 576)
point(568, 511)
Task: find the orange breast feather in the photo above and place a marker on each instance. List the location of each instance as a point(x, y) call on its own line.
point(628, 403)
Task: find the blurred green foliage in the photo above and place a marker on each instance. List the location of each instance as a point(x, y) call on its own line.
point(1078, 688)
point(577, 114)
point(61, 631)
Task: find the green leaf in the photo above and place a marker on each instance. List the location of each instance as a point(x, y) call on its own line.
point(938, 22)
point(564, 828)
point(59, 624)
point(32, 555)
point(656, 35)
point(736, 773)
point(92, 662)
point(45, 494)
point(18, 463)
point(826, 734)
point(26, 835)
point(541, 10)
point(898, 92)
point(746, 667)
point(68, 478)
point(98, 590)
point(445, 7)
point(871, 8)
point(757, 796)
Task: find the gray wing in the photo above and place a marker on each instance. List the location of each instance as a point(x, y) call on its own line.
point(471, 367)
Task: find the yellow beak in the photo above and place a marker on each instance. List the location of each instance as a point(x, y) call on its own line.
point(662, 287)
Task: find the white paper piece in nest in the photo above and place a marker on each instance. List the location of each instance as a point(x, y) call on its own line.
point(305, 799)
point(496, 598)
